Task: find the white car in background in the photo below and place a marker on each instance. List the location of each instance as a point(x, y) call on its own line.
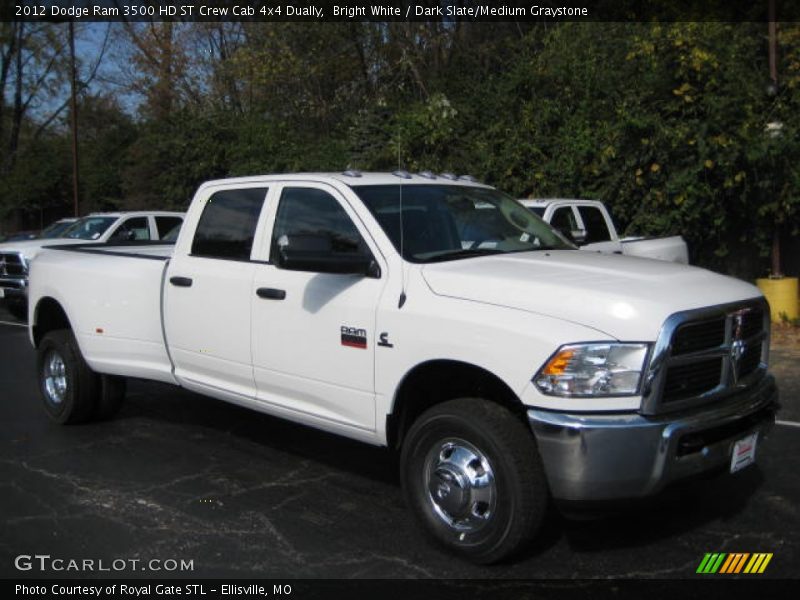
point(96, 228)
point(588, 224)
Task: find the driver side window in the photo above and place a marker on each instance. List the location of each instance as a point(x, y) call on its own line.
point(135, 229)
point(563, 220)
point(314, 219)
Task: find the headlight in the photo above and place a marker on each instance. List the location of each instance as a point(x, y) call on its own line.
point(593, 370)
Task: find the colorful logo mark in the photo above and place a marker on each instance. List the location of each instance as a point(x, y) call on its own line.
point(734, 563)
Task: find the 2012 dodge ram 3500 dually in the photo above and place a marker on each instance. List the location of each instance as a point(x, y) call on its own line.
point(431, 314)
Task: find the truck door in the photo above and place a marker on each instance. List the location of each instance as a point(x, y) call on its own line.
point(208, 295)
point(314, 333)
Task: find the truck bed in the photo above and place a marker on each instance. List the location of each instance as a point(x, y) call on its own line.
point(113, 296)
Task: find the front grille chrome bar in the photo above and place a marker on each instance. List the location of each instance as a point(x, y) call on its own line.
point(13, 265)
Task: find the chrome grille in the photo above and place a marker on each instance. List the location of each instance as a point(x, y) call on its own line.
point(704, 355)
point(751, 358)
point(685, 381)
point(691, 337)
point(12, 265)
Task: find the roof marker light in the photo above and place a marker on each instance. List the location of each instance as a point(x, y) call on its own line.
point(402, 174)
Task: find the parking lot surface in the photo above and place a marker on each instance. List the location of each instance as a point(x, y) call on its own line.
point(179, 476)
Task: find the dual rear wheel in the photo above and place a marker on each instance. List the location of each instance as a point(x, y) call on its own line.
point(71, 391)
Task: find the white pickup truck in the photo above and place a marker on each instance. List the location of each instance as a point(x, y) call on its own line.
point(503, 364)
point(588, 224)
point(96, 228)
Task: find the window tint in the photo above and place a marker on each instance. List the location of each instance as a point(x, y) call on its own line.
point(537, 210)
point(564, 220)
point(135, 229)
point(308, 211)
point(166, 224)
point(595, 224)
point(228, 224)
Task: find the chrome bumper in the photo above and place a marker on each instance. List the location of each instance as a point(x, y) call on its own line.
point(591, 457)
point(14, 287)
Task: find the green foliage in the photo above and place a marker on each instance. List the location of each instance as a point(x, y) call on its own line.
point(665, 122)
point(171, 157)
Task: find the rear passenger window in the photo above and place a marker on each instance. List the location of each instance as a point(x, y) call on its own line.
point(166, 224)
point(228, 224)
point(595, 224)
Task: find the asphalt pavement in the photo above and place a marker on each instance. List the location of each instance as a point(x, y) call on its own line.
point(177, 476)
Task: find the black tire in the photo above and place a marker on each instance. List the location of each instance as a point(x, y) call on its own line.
point(109, 400)
point(452, 451)
point(18, 309)
point(69, 388)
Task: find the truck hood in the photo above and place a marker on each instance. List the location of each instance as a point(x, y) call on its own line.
point(624, 297)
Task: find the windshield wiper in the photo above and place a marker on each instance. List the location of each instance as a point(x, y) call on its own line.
point(463, 253)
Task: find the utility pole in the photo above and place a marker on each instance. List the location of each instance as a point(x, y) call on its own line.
point(74, 118)
point(773, 43)
point(773, 75)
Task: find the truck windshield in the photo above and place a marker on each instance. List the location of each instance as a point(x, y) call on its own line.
point(89, 228)
point(448, 222)
point(55, 230)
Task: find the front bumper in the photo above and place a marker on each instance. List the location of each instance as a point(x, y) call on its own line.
point(589, 457)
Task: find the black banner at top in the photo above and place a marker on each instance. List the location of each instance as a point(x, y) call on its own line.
point(398, 10)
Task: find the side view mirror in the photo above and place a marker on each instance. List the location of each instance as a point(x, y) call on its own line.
point(315, 252)
point(578, 236)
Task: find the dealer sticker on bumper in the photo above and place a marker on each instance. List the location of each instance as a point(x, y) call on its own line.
point(744, 452)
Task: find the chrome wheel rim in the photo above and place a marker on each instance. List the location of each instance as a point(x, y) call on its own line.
point(461, 488)
point(55, 377)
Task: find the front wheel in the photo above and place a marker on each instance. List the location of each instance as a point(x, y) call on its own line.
point(472, 475)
